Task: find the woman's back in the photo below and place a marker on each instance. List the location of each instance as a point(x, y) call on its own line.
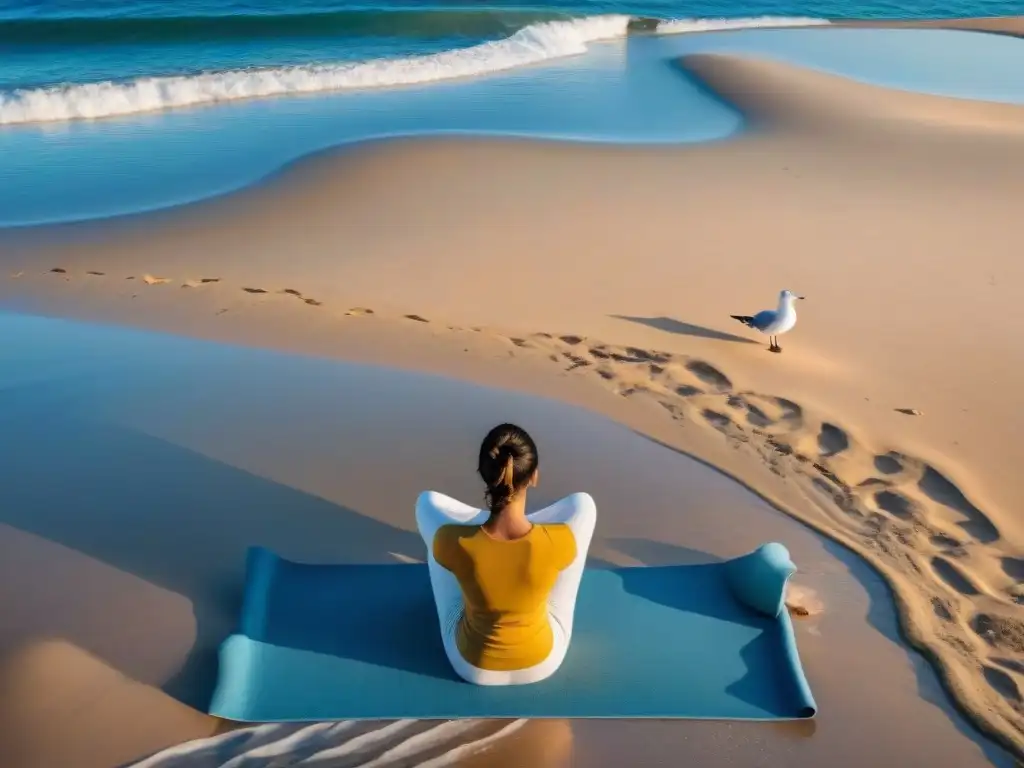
point(504, 581)
point(506, 584)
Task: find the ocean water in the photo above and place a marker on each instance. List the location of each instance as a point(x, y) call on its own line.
point(115, 106)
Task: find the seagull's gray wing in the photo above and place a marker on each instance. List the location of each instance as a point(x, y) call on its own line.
point(763, 319)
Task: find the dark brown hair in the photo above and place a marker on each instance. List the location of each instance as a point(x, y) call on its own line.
point(508, 459)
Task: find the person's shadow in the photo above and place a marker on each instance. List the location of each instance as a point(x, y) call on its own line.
point(121, 526)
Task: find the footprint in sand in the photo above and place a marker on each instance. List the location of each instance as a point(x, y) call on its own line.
point(953, 576)
point(633, 355)
point(200, 282)
point(153, 280)
point(59, 270)
point(291, 292)
point(253, 290)
point(358, 311)
point(719, 421)
point(775, 414)
point(755, 416)
point(941, 490)
point(1002, 683)
point(888, 464)
point(417, 318)
point(1014, 568)
point(95, 273)
point(832, 440)
point(897, 505)
point(710, 375)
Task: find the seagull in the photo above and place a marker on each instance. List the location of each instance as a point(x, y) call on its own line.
point(774, 322)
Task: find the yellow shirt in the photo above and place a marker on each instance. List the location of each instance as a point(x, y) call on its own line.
point(505, 586)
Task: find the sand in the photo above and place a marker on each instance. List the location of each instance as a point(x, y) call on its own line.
point(174, 456)
point(605, 277)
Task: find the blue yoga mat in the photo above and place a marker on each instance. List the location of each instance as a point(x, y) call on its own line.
point(338, 642)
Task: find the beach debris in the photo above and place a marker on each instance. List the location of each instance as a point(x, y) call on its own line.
point(909, 411)
point(773, 322)
point(253, 290)
point(803, 601)
point(359, 311)
point(153, 280)
point(417, 318)
point(94, 272)
point(209, 280)
point(59, 270)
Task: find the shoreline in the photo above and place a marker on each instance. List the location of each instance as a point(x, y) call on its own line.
point(932, 516)
point(1008, 25)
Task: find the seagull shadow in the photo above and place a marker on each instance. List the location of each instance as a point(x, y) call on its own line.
point(671, 325)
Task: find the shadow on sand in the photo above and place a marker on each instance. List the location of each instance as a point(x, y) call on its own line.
point(680, 328)
point(176, 520)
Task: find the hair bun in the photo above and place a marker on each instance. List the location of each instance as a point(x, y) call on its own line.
point(508, 459)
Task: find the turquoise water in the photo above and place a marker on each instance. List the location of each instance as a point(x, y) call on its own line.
point(112, 107)
point(45, 42)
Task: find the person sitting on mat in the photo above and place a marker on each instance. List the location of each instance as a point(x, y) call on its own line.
point(505, 582)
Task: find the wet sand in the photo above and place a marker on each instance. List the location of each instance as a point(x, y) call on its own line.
point(173, 456)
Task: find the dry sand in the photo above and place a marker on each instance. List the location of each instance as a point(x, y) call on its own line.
point(605, 277)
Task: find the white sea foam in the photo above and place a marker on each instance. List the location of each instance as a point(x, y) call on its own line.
point(682, 26)
point(530, 45)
